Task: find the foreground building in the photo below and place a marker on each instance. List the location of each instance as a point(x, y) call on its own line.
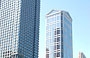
point(59, 35)
point(19, 28)
point(81, 55)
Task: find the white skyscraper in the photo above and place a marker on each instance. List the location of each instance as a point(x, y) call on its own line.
point(58, 34)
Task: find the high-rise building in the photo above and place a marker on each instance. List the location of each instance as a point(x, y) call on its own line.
point(58, 34)
point(81, 55)
point(19, 28)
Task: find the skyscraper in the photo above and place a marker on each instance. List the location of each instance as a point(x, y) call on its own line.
point(58, 34)
point(19, 28)
point(81, 55)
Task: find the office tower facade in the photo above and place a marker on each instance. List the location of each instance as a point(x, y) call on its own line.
point(19, 28)
point(58, 35)
point(81, 55)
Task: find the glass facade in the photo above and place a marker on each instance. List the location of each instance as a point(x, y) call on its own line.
point(58, 35)
point(19, 28)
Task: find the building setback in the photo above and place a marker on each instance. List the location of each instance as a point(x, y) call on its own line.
point(19, 28)
point(58, 34)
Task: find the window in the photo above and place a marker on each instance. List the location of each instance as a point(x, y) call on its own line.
point(54, 47)
point(55, 40)
point(58, 39)
point(54, 55)
point(58, 54)
point(58, 46)
point(55, 32)
point(47, 49)
point(47, 55)
point(58, 17)
point(58, 31)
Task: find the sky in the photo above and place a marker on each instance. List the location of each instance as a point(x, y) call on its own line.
point(80, 13)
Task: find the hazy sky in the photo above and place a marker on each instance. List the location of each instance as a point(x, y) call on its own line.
point(80, 13)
